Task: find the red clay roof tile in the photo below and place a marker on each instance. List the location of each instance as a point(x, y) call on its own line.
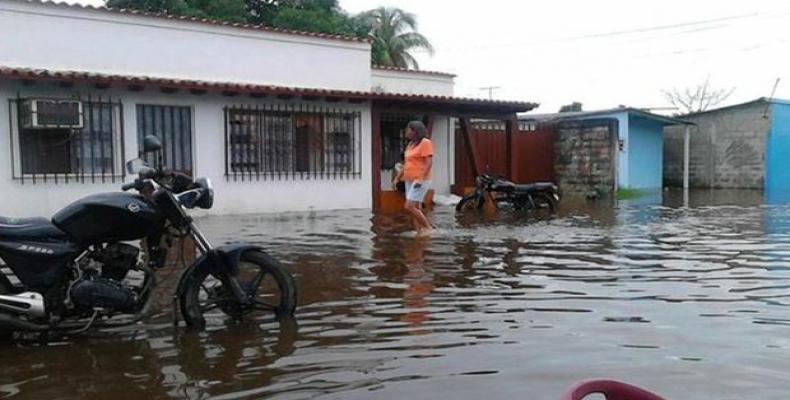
point(189, 84)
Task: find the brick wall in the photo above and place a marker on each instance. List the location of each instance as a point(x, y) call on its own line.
point(727, 149)
point(585, 156)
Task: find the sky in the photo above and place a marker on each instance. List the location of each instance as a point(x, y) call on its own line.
point(602, 53)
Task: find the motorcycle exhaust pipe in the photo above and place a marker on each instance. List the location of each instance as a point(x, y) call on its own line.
point(11, 323)
point(28, 303)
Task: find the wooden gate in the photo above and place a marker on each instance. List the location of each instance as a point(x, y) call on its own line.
point(534, 146)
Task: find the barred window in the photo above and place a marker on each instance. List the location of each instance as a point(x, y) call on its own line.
point(66, 139)
point(294, 142)
point(173, 126)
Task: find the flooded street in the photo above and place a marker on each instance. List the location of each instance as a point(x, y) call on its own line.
point(693, 303)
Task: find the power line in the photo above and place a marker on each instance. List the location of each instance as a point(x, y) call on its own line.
point(626, 32)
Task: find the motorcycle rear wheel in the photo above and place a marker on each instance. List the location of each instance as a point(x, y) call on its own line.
point(268, 284)
point(473, 201)
point(548, 200)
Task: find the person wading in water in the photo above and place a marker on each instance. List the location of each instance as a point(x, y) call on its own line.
point(417, 174)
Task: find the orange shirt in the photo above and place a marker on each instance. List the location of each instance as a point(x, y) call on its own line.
point(417, 156)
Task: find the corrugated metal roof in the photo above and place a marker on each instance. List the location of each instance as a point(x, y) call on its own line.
point(134, 80)
point(761, 100)
point(601, 113)
point(205, 21)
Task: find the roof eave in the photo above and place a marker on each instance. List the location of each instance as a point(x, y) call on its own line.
point(26, 74)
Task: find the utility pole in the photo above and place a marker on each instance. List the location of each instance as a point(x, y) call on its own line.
point(490, 90)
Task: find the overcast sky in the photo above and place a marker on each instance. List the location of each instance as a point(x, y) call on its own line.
point(603, 53)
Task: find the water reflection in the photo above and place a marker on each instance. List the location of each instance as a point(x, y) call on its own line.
point(689, 300)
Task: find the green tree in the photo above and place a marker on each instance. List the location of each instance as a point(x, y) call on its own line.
point(226, 10)
point(394, 35)
point(392, 30)
point(176, 7)
point(315, 16)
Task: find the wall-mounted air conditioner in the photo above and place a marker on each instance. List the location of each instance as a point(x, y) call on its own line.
point(50, 113)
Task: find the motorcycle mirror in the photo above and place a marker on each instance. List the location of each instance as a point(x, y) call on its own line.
point(151, 144)
point(135, 166)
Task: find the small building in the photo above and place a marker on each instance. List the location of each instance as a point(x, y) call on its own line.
point(280, 120)
point(639, 140)
point(743, 146)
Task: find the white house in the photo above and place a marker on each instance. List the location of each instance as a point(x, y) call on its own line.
point(279, 120)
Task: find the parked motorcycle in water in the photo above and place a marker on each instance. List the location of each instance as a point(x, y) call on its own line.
point(542, 195)
point(77, 271)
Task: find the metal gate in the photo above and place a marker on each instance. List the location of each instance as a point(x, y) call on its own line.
point(534, 144)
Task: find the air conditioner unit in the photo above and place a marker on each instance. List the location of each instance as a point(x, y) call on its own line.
point(49, 113)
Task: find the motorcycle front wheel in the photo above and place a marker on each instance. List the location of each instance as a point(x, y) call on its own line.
point(473, 201)
point(269, 286)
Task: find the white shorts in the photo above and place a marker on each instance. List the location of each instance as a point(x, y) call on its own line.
point(416, 193)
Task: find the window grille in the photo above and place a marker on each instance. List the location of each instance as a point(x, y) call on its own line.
point(65, 154)
point(291, 142)
point(173, 126)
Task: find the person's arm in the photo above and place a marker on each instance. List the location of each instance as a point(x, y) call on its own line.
point(429, 166)
point(426, 150)
point(398, 177)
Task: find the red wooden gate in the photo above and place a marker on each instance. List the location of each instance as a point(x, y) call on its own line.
point(535, 161)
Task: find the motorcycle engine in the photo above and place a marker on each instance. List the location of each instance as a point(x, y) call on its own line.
point(90, 293)
point(101, 285)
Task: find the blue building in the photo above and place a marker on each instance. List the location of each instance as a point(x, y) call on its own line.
point(742, 146)
point(641, 142)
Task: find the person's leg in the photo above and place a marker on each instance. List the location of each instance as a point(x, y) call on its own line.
point(422, 220)
point(411, 208)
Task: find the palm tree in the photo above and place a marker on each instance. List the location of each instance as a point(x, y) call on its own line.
point(393, 32)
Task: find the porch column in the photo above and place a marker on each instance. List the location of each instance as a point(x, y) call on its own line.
point(466, 131)
point(376, 157)
point(511, 127)
point(686, 147)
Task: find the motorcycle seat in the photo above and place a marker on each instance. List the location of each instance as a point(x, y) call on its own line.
point(534, 187)
point(28, 228)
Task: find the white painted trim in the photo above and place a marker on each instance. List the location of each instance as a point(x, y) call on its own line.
point(411, 76)
point(189, 26)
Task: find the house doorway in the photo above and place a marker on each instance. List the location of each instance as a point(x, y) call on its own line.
point(392, 126)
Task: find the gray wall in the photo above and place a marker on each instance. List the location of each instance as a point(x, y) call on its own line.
point(584, 156)
point(727, 149)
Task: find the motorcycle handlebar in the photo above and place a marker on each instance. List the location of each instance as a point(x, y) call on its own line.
point(129, 186)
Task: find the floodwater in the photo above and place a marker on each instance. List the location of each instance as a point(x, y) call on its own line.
point(691, 302)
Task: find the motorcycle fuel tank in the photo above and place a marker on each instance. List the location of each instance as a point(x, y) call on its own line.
point(109, 217)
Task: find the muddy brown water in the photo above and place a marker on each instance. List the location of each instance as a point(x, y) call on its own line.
point(691, 302)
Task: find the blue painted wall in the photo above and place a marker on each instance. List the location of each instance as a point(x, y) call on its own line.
point(645, 153)
point(777, 156)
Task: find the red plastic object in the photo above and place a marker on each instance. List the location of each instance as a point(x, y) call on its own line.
point(611, 389)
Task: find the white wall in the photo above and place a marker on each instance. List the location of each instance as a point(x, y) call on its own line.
point(44, 36)
point(19, 199)
point(441, 137)
point(411, 83)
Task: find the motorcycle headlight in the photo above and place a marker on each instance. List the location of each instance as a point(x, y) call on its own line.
point(206, 201)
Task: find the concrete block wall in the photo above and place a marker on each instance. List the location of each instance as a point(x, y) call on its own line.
point(727, 148)
point(584, 160)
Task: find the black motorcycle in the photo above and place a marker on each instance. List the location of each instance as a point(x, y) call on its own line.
point(78, 270)
point(532, 196)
